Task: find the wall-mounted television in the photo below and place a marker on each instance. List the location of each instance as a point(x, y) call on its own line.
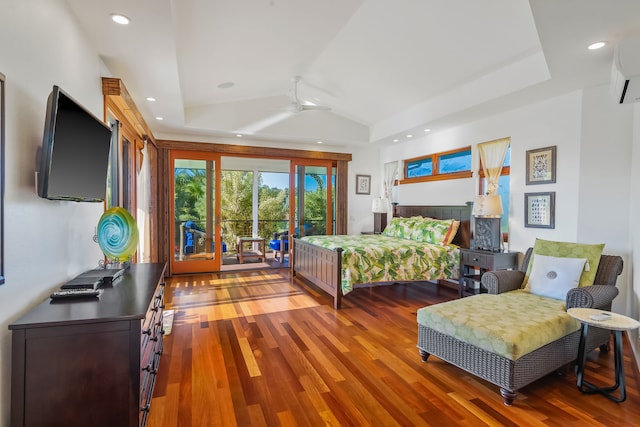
point(75, 152)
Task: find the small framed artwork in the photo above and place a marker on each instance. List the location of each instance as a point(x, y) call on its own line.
point(363, 184)
point(541, 166)
point(539, 210)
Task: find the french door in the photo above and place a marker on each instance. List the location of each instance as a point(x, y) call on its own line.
point(312, 206)
point(195, 210)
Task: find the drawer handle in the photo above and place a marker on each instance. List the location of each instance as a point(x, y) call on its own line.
point(476, 259)
point(162, 283)
point(147, 331)
point(147, 368)
point(145, 408)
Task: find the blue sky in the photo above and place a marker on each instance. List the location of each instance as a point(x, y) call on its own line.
point(281, 180)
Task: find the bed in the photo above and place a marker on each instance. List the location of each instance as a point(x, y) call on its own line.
point(324, 260)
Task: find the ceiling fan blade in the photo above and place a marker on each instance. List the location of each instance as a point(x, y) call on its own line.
point(308, 107)
point(299, 106)
point(265, 123)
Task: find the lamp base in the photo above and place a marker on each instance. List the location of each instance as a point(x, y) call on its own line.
point(487, 236)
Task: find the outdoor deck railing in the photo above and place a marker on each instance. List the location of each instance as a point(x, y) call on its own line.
point(233, 228)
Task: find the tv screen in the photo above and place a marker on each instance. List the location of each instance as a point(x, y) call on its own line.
point(75, 152)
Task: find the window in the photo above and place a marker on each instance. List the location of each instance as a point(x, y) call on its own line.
point(452, 164)
point(503, 190)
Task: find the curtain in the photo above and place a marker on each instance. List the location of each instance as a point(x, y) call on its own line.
point(144, 206)
point(492, 156)
point(390, 176)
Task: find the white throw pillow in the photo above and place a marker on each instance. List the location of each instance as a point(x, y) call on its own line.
point(553, 276)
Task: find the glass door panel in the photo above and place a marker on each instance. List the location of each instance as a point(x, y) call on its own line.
point(312, 205)
point(195, 210)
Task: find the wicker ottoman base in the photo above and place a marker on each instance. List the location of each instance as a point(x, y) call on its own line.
point(509, 375)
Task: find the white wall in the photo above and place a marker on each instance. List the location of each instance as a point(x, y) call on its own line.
point(593, 139)
point(553, 122)
point(366, 161)
point(634, 230)
point(46, 242)
point(604, 213)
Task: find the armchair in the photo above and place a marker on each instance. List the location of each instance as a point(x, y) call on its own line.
point(280, 244)
point(483, 334)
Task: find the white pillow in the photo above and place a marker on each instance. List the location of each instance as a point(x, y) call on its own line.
point(553, 276)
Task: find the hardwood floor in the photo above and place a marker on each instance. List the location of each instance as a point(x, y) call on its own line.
point(255, 349)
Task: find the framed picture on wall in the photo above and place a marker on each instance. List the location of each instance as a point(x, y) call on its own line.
point(363, 184)
point(539, 210)
point(541, 166)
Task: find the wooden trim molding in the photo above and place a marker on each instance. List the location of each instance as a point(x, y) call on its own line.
point(116, 93)
point(252, 151)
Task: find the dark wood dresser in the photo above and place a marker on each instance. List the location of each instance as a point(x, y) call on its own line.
point(90, 362)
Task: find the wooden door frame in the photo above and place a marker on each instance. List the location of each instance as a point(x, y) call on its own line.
point(165, 247)
point(198, 265)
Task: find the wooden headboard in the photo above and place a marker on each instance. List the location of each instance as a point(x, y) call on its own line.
point(461, 213)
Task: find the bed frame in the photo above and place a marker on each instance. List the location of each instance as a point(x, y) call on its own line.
point(323, 267)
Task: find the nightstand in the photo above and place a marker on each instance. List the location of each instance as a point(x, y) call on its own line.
point(474, 263)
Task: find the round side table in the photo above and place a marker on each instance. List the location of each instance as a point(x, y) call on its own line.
point(617, 323)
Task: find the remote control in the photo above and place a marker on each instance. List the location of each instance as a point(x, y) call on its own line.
point(602, 316)
point(75, 293)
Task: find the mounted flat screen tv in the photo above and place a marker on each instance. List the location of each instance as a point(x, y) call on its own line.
point(75, 152)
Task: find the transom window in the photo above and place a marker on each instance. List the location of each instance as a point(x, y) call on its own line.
point(452, 164)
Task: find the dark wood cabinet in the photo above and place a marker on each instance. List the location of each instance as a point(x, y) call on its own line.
point(474, 263)
point(90, 362)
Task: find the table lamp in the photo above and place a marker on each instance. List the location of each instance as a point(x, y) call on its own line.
point(487, 210)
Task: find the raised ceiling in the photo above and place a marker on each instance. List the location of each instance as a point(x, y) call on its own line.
point(386, 68)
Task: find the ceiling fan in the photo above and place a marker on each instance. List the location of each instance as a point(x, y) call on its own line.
point(297, 106)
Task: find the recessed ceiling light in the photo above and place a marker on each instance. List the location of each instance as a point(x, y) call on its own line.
point(151, 99)
point(226, 85)
point(597, 45)
point(409, 136)
point(427, 130)
point(319, 142)
point(159, 118)
point(396, 140)
point(120, 19)
point(239, 136)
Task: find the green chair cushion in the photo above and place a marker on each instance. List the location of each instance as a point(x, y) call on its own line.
point(591, 252)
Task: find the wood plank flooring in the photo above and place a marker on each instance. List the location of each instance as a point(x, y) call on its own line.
point(257, 349)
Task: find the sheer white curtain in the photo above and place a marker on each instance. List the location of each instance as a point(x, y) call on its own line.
point(144, 207)
point(492, 154)
point(390, 176)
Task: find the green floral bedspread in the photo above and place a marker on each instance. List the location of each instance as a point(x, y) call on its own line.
point(378, 258)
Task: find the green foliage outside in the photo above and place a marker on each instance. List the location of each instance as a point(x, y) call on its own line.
point(236, 204)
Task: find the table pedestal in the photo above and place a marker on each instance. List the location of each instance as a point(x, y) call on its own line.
point(587, 387)
point(617, 324)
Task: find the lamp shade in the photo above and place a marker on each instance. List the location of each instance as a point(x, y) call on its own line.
point(380, 205)
point(487, 206)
